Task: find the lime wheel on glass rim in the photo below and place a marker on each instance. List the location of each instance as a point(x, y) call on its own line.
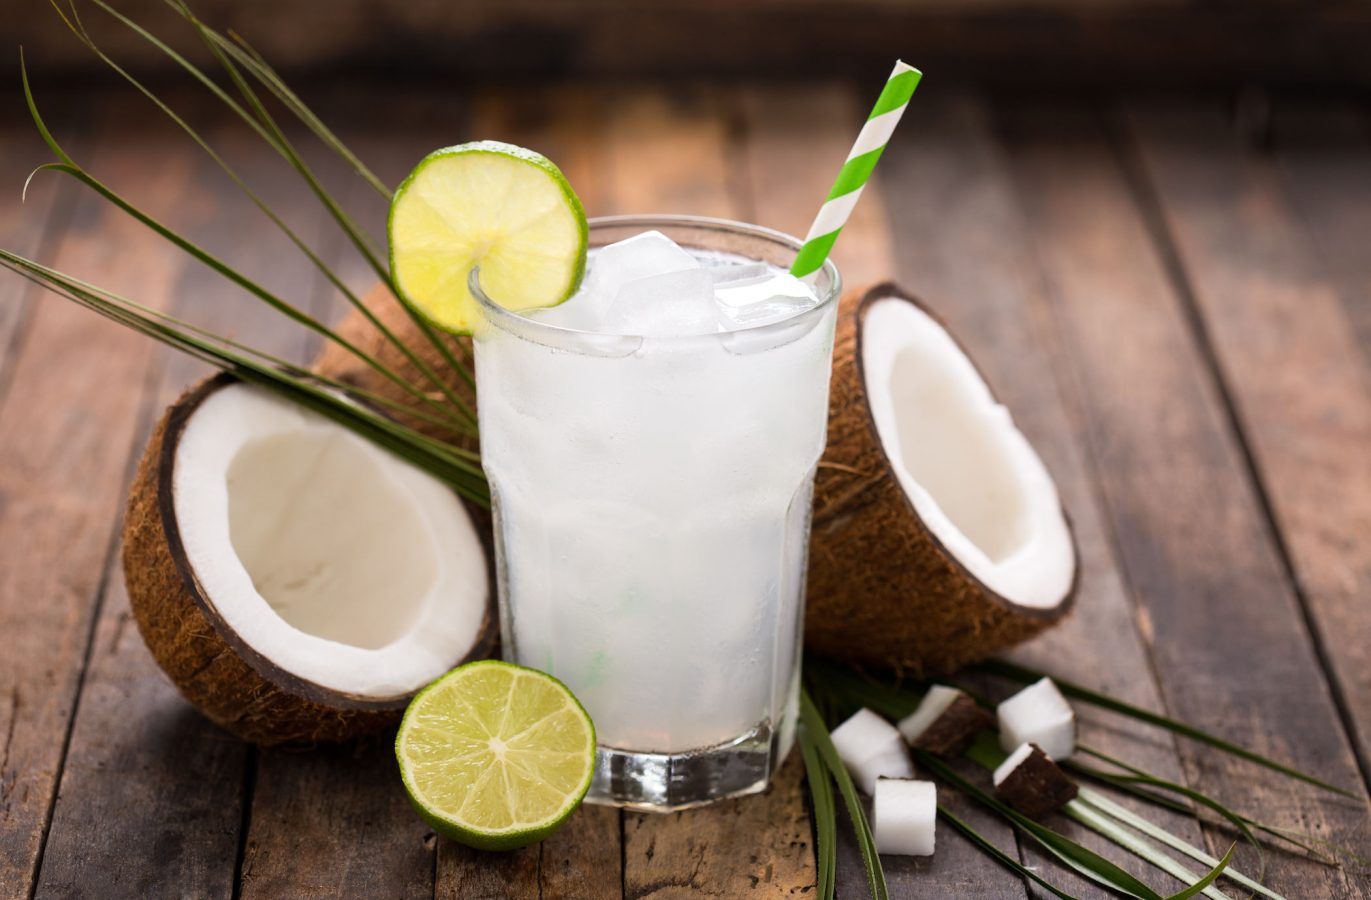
point(503, 208)
point(495, 756)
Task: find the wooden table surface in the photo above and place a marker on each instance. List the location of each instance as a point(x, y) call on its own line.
point(1174, 300)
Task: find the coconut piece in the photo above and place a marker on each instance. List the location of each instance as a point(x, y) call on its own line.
point(938, 536)
point(1040, 714)
point(1032, 783)
point(337, 362)
point(295, 581)
point(903, 816)
point(871, 748)
point(945, 722)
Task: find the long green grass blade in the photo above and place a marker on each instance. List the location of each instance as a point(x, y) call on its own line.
point(1126, 816)
point(1024, 674)
point(999, 855)
point(1082, 859)
point(264, 73)
point(287, 152)
point(459, 419)
point(1204, 883)
point(1139, 781)
point(1138, 776)
point(818, 733)
point(439, 460)
point(227, 53)
point(825, 816)
point(1096, 822)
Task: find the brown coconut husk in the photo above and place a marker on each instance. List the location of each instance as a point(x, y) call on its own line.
point(220, 674)
point(883, 590)
point(337, 362)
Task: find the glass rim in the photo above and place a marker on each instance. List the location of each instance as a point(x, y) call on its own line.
point(515, 323)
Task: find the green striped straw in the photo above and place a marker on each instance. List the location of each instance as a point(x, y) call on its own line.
point(861, 160)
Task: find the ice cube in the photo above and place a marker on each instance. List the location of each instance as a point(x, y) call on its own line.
point(674, 303)
point(760, 300)
point(583, 311)
point(730, 273)
point(650, 253)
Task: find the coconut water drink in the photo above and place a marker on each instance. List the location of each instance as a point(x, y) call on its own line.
point(650, 446)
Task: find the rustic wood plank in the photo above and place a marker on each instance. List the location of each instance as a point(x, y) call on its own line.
point(795, 140)
point(755, 846)
point(964, 248)
point(335, 822)
point(1324, 151)
point(135, 743)
point(1299, 382)
point(30, 228)
point(65, 442)
point(1228, 643)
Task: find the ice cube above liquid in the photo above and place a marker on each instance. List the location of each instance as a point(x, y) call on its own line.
point(768, 298)
point(643, 255)
point(648, 285)
point(674, 303)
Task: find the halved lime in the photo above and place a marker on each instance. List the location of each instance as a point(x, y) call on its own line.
point(494, 755)
point(504, 208)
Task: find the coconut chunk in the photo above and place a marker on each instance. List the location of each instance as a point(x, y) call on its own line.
point(1032, 783)
point(871, 748)
point(945, 722)
point(904, 815)
point(1040, 714)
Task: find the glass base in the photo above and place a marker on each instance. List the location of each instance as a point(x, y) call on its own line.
point(667, 782)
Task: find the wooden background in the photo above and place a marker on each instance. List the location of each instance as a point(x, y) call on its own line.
point(1016, 43)
point(1172, 293)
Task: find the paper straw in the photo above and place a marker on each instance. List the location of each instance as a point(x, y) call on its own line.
point(861, 159)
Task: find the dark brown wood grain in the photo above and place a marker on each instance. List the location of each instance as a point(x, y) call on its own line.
point(1323, 149)
point(335, 822)
point(1228, 641)
point(1285, 283)
point(1177, 319)
point(67, 428)
point(1064, 43)
point(32, 227)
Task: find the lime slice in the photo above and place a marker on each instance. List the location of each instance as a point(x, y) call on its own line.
point(504, 208)
point(495, 756)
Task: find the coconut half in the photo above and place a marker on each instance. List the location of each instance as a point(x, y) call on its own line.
point(938, 537)
point(297, 582)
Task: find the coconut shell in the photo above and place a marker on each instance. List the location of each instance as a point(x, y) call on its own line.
point(954, 730)
point(221, 675)
point(339, 363)
point(1037, 786)
point(883, 591)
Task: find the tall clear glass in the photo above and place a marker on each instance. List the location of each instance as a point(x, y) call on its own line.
point(652, 503)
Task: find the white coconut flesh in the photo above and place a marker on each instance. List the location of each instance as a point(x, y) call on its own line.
point(970, 474)
point(335, 560)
